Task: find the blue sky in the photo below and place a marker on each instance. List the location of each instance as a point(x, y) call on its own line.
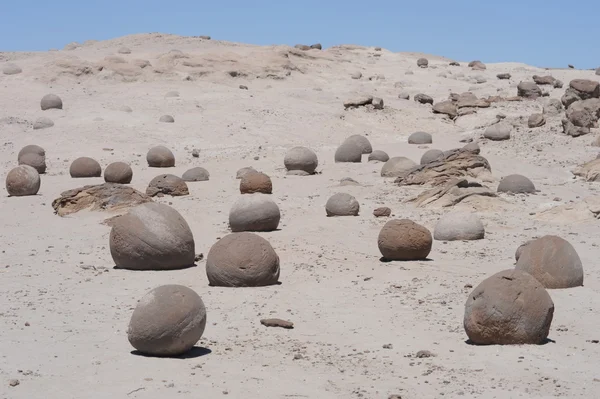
point(551, 33)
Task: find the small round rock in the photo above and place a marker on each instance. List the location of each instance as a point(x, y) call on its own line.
point(256, 182)
point(403, 239)
point(51, 101)
point(348, 152)
point(160, 157)
point(397, 166)
point(516, 184)
point(378, 156)
point(242, 260)
point(167, 119)
point(362, 142)
point(457, 225)
point(167, 184)
point(118, 172)
point(167, 321)
point(42, 123)
point(301, 158)
point(498, 132)
point(430, 156)
point(23, 180)
point(85, 167)
point(254, 212)
point(196, 174)
point(342, 204)
point(420, 138)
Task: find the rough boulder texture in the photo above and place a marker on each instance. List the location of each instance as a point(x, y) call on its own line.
point(423, 99)
point(446, 107)
point(256, 182)
point(151, 236)
point(590, 171)
point(362, 142)
point(498, 132)
point(397, 166)
point(23, 180)
point(85, 167)
point(301, 158)
point(342, 204)
point(422, 63)
point(160, 157)
point(103, 197)
point(420, 138)
point(430, 156)
point(254, 212)
point(529, 90)
point(553, 261)
point(167, 321)
point(516, 184)
point(536, 120)
point(167, 184)
point(379, 156)
point(348, 152)
point(454, 226)
point(508, 308)
point(118, 172)
point(242, 260)
point(452, 193)
point(403, 239)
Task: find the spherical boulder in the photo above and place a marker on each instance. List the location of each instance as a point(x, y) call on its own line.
point(256, 182)
point(397, 166)
point(516, 184)
point(301, 158)
point(420, 138)
point(553, 262)
point(242, 260)
point(254, 212)
point(472, 147)
point(422, 63)
point(118, 172)
point(459, 225)
point(243, 171)
point(348, 152)
point(167, 184)
point(196, 174)
point(51, 101)
point(23, 180)
point(403, 239)
point(520, 249)
point(151, 236)
point(160, 157)
point(42, 123)
point(167, 321)
point(167, 119)
point(34, 156)
point(508, 308)
point(498, 132)
point(378, 156)
point(85, 167)
point(430, 156)
point(362, 142)
point(342, 204)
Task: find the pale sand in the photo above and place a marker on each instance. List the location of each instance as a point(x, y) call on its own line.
point(57, 274)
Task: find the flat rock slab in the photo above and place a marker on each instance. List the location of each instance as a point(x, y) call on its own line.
point(277, 323)
point(102, 197)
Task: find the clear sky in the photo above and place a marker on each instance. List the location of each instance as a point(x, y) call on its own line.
point(546, 33)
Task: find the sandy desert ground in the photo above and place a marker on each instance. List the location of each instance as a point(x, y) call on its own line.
point(359, 322)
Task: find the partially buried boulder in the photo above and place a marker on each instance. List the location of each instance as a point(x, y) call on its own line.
point(516, 184)
point(508, 308)
point(167, 321)
point(423, 99)
point(544, 80)
point(11, 69)
point(195, 174)
point(85, 167)
point(42, 123)
point(243, 171)
point(403, 239)
point(477, 65)
point(167, 119)
point(422, 63)
point(118, 172)
point(152, 236)
point(553, 107)
point(342, 204)
point(301, 158)
point(553, 261)
point(34, 156)
point(586, 88)
point(256, 182)
point(430, 156)
point(498, 132)
point(465, 226)
point(362, 142)
point(167, 184)
point(529, 90)
point(420, 138)
point(51, 101)
point(160, 157)
point(536, 120)
point(378, 156)
point(397, 166)
point(22, 181)
point(348, 152)
point(503, 76)
point(590, 171)
point(254, 212)
point(109, 197)
point(242, 260)
point(358, 101)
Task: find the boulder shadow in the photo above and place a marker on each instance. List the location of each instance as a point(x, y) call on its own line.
point(115, 267)
point(544, 342)
point(385, 260)
point(194, 353)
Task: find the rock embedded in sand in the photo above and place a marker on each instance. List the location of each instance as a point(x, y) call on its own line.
point(356, 75)
point(503, 76)
point(167, 119)
point(382, 212)
point(242, 260)
point(316, 46)
point(516, 184)
point(124, 50)
point(397, 166)
point(254, 212)
point(107, 197)
point(536, 120)
point(379, 156)
point(22, 181)
point(160, 157)
point(458, 225)
point(520, 249)
point(42, 123)
point(342, 204)
point(553, 107)
point(404, 96)
point(348, 151)
point(598, 71)
point(472, 147)
point(420, 138)
point(377, 103)
point(172, 94)
point(422, 63)
point(446, 107)
point(358, 101)
point(574, 131)
point(168, 321)
point(477, 65)
point(529, 90)
point(167, 184)
point(553, 261)
point(85, 167)
point(423, 99)
point(256, 182)
point(51, 101)
point(362, 142)
point(403, 239)
point(498, 132)
point(195, 174)
point(11, 69)
point(543, 80)
point(243, 171)
point(118, 172)
point(301, 158)
point(152, 236)
point(508, 308)
point(430, 156)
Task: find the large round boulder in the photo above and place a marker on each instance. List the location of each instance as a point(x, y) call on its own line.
point(23, 180)
point(342, 204)
point(457, 225)
point(362, 142)
point(167, 184)
point(151, 236)
point(85, 167)
point(516, 184)
point(34, 156)
point(420, 138)
point(508, 308)
point(256, 182)
point(167, 321)
point(430, 156)
point(160, 157)
point(51, 101)
point(403, 239)
point(118, 172)
point(196, 174)
point(378, 156)
point(254, 212)
point(520, 249)
point(348, 152)
point(553, 262)
point(301, 158)
point(397, 166)
point(498, 132)
point(242, 260)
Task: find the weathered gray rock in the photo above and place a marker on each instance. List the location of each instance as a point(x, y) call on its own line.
point(11, 69)
point(404, 96)
point(422, 63)
point(574, 131)
point(472, 147)
point(348, 152)
point(477, 65)
point(383, 211)
point(378, 156)
point(42, 123)
point(243, 171)
point(342, 204)
point(358, 101)
point(503, 76)
point(51, 101)
point(167, 119)
point(543, 80)
point(498, 132)
point(160, 157)
point(34, 156)
point(586, 88)
point(553, 107)
point(516, 184)
point(403, 239)
point(430, 156)
point(446, 107)
point(22, 181)
point(106, 197)
point(118, 172)
point(420, 138)
point(195, 174)
point(529, 90)
point(85, 167)
point(423, 99)
point(167, 184)
point(254, 212)
point(377, 103)
point(397, 166)
point(356, 75)
point(536, 120)
point(124, 50)
point(301, 158)
point(362, 142)
point(598, 71)
point(458, 225)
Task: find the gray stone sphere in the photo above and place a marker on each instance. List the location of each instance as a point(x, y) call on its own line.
point(167, 321)
point(397, 166)
point(378, 156)
point(85, 167)
point(51, 101)
point(301, 158)
point(160, 157)
point(167, 119)
point(254, 212)
point(23, 180)
point(516, 184)
point(472, 147)
point(152, 236)
point(430, 156)
point(42, 123)
point(243, 171)
point(242, 260)
point(348, 152)
point(34, 156)
point(498, 132)
point(457, 225)
point(196, 174)
point(420, 138)
point(118, 172)
point(362, 142)
point(342, 204)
